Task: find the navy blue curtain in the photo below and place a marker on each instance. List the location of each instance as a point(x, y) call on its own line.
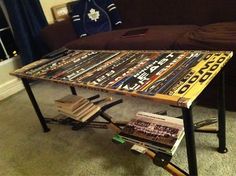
point(27, 19)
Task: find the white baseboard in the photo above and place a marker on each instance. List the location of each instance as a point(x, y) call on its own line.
point(9, 88)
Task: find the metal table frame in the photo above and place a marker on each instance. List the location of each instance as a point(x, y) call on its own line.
point(187, 118)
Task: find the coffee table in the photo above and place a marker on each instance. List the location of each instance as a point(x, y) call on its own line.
point(175, 78)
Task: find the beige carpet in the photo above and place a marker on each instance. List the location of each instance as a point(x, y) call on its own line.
point(26, 151)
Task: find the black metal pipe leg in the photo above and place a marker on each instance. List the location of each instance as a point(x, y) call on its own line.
point(73, 91)
point(190, 141)
point(221, 115)
point(35, 105)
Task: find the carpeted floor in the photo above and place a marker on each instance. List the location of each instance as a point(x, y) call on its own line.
point(26, 151)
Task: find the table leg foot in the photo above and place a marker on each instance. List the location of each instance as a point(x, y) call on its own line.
point(46, 130)
point(222, 150)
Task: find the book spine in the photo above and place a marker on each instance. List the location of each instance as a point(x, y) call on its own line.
point(155, 143)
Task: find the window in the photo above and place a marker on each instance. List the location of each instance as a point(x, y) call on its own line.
point(8, 47)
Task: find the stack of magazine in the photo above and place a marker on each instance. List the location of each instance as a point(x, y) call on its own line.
point(156, 132)
point(76, 107)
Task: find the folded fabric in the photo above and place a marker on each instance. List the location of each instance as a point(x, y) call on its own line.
point(217, 36)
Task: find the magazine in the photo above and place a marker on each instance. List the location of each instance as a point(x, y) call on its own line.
point(156, 132)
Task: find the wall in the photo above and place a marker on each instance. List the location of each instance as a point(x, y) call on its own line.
point(9, 85)
point(8, 66)
point(47, 4)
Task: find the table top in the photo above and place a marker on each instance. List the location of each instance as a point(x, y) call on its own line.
point(169, 77)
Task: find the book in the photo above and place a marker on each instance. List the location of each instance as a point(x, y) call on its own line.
point(78, 108)
point(157, 132)
point(89, 114)
point(69, 102)
point(83, 116)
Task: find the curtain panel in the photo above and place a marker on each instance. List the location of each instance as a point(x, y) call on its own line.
point(27, 19)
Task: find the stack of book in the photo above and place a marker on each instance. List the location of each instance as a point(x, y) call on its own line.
point(156, 132)
point(76, 107)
